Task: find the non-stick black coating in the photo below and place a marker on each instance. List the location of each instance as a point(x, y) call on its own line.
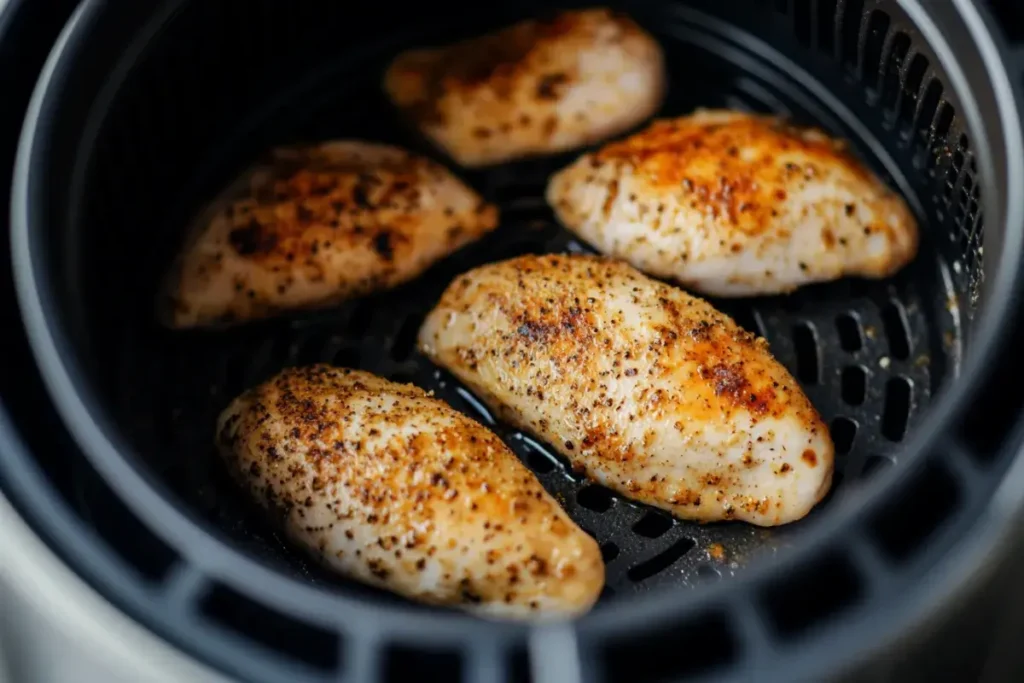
point(870, 354)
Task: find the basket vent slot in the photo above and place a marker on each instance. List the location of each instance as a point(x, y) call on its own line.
point(892, 68)
point(871, 48)
point(899, 393)
point(746, 317)
point(403, 663)
point(894, 319)
point(990, 418)
point(851, 335)
point(652, 525)
point(539, 461)
point(827, 23)
point(909, 518)
point(957, 171)
point(844, 431)
point(661, 561)
point(596, 498)
point(274, 630)
point(812, 595)
point(670, 651)
point(519, 666)
point(913, 107)
point(933, 137)
point(854, 385)
point(808, 356)
point(848, 29)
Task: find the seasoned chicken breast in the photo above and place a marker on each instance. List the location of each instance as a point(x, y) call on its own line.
point(317, 225)
point(537, 87)
point(733, 204)
point(650, 391)
point(394, 488)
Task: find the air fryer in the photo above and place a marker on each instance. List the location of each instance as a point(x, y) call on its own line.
point(144, 110)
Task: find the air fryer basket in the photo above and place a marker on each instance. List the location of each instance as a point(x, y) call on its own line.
point(145, 112)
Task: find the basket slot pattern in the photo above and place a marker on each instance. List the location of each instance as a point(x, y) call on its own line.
point(674, 651)
point(313, 647)
point(906, 522)
point(811, 595)
point(898, 79)
point(403, 663)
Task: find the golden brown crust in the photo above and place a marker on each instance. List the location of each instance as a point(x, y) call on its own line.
point(396, 488)
point(731, 169)
point(504, 95)
point(312, 203)
point(321, 224)
point(734, 366)
point(651, 391)
point(498, 62)
point(735, 204)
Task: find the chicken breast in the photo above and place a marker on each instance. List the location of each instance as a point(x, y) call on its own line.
point(394, 488)
point(537, 87)
point(317, 225)
point(650, 391)
point(732, 204)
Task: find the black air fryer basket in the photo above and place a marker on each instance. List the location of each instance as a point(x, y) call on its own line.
point(146, 109)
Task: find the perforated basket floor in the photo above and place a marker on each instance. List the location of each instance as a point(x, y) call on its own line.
point(869, 354)
point(859, 350)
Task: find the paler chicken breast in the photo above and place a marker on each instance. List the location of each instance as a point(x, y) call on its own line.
point(650, 391)
point(394, 488)
point(537, 87)
point(317, 225)
point(734, 204)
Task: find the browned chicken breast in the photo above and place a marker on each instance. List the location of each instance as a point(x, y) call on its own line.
point(394, 488)
point(317, 225)
point(650, 391)
point(533, 88)
point(733, 204)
